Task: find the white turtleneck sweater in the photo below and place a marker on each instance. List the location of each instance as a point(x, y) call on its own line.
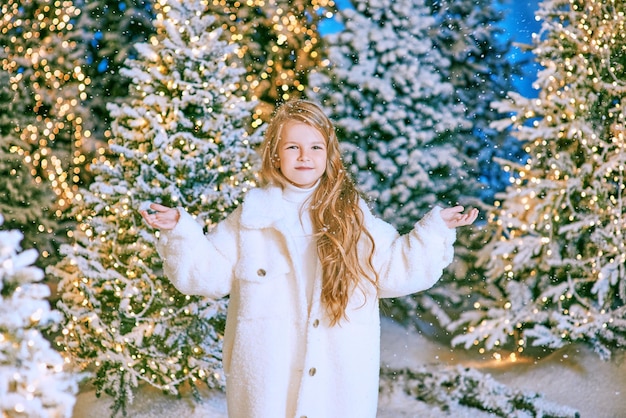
point(298, 220)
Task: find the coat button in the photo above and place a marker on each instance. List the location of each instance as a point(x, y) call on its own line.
point(261, 272)
point(312, 371)
point(316, 323)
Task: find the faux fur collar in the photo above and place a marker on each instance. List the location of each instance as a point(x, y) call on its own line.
point(262, 208)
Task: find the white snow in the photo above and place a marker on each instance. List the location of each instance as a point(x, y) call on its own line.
point(573, 376)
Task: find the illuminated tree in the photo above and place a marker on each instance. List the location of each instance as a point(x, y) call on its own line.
point(110, 30)
point(183, 140)
point(556, 263)
point(25, 204)
point(33, 379)
point(44, 66)
point(280, 45)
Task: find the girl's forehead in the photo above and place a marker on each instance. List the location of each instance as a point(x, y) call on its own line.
point(297, 126)
point(301, 125)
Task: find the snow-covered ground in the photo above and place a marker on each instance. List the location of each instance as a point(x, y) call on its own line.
point(574, 377)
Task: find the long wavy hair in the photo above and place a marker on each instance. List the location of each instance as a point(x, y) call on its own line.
point(338, 221)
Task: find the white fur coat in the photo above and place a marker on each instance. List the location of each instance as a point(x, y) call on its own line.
point(281, 358)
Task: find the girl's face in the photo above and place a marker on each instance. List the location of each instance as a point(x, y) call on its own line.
point(302, 154)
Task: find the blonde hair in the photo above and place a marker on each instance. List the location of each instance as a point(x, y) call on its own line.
point(338, 221)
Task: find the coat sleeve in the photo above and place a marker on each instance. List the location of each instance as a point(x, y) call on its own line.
point(415, 261)
point(199, 264)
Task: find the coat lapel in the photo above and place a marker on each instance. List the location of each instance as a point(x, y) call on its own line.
point(264, 208)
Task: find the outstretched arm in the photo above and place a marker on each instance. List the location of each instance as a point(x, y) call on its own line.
point(195, 263)
point(454, 217)
point(414, 261)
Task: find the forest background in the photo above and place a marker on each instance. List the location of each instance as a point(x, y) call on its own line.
point(110, 104)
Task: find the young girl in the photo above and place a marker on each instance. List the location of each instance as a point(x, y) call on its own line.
point(304, 262)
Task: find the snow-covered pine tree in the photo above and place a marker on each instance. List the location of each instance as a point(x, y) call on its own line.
point(44, 62)
point(110, 28)
point(280, 45)
point(396, 116)
point(467, 34)
point(556, 263)
point(33, 379)
point(445, 387)
point(183, 140)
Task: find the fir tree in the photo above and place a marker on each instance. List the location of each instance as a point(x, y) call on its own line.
point(467, 34)
point(33, 380)
point(443, 387)
point(280, 45)
point(396, 116)
point(110, 29)
point(25, 204)
point(43, 60)
point(555, 264)
point(182, 141)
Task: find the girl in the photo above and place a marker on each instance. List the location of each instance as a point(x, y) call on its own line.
point(304, 262)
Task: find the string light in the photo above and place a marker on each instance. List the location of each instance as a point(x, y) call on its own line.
point(560, 224)
point(50, 86)
point(119, 304)
point(279, 43)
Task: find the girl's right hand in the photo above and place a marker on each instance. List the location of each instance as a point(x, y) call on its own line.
point(163, 217)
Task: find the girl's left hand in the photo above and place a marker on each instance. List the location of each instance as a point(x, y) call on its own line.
point(454, 217)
